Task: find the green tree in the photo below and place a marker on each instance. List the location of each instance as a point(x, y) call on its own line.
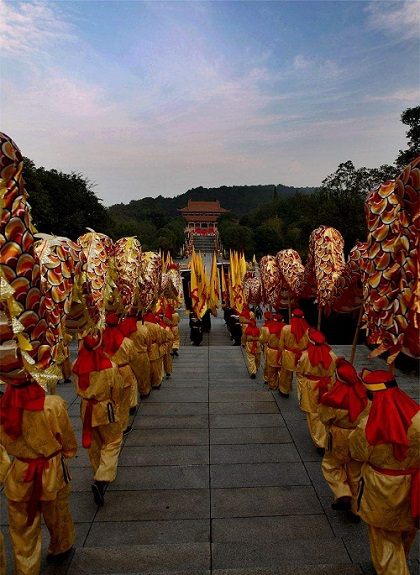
point(410, 117)
point(64, 204)
point(268, 240)
point(341, 199)
point(237, 237)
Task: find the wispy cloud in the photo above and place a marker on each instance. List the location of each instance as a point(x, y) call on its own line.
point(29, 28)
point(316, 66)
point(404, 95)
point(399, 19)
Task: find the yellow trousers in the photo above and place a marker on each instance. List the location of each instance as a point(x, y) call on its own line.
point(389, 550)
point(285, 380)
point(124, 407)
point(27, 540)
point(316, 429)
point(143, 383)
point(134, 396)
point(104, 451)
point(156, 372)
point(342, 476)
point(167, 363)
point(273, 377)
point(265, 372)
point(254, 361)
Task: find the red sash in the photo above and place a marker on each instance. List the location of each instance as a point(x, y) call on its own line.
point(322, 385)
point(297, 352)
point(87, 423)
point(34, 473)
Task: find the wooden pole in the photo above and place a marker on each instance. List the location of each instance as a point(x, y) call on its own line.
point(356, 335)
point(318, 325)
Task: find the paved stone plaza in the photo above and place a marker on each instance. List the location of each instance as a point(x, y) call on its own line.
point(218, 477)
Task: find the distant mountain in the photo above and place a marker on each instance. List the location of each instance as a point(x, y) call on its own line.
point(238, 199)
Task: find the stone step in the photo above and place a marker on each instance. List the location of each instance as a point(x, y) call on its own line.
point(194, 559)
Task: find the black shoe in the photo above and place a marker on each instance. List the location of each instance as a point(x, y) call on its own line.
point(321, 451)
point(168, 375)
point(353, 518)
point(60, 557)
point(127, 430)
point(67, 380)
point(253, 376)
point(133, 410)
point(285, 395)
point(156, 386)
point(175, 352)
point(342, 504)
point(98, 493)
point(146, 395)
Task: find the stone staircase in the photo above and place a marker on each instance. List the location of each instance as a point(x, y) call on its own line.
point(204, 244)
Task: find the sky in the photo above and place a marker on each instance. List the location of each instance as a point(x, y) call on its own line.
point(155, 98)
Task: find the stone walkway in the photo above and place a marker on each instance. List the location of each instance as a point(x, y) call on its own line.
point(218, 477)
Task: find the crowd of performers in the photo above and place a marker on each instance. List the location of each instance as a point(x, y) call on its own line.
point(113, 370)
point(366, 428)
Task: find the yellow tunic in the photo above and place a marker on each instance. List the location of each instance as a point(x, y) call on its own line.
point(104, 395)
point(253, 352)
point(158, 337)
point(340, 470)
point(272, 354)
point(142, 343)
point(173, 324)
point(130, 368)
point(290, 350)
point(308, 396)
point(385, 501)
point(43, 433)
point(244, 321)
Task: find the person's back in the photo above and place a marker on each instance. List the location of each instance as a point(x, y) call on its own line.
point(38, 482)
point(100, 386)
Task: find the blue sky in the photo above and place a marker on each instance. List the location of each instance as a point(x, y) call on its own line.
point(149, 98)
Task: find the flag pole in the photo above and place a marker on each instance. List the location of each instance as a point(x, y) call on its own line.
point(356, 335)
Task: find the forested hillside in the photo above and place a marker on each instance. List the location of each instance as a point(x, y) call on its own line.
point(240, 199)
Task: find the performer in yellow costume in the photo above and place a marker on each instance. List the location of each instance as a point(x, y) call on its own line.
point(270, 339)
point(142, 343)
point(340, 410)
point(252, 348)
point(122, 352)
point(314, 377)
point(36, 431)
point(101, 386)
point(158, 337)
point(294, 339)
point(268, 317)
point(387, 441)
point(171, 318)
point(63, 360)
point(244, 317)
point(166, 349)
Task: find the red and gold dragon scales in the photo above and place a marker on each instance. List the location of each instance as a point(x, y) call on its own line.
point(25, 351)
point(391, 265)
